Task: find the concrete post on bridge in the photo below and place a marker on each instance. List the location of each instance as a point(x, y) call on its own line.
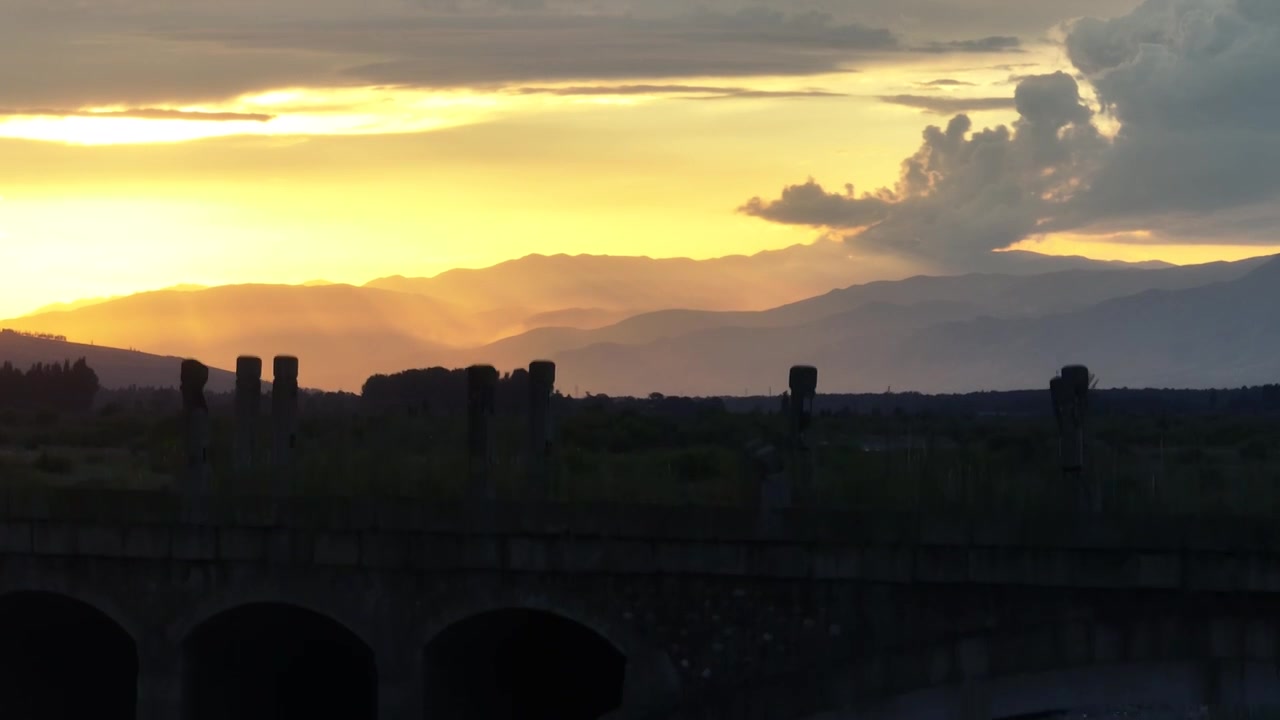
point(482, 387)
point(284, 418)
point(542, 381)
point(195, 418)
point(1070, 393)
point(248, 407)
point(804, 389)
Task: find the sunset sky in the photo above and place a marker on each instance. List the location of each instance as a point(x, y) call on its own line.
point(147, 143)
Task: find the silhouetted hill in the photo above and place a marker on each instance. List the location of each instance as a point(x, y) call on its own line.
point(343, 334)
point(1221, 334)
point(116, 368)
point(537, 284)
point(990, 294)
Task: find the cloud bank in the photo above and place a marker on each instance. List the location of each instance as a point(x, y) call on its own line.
point(1195, 88)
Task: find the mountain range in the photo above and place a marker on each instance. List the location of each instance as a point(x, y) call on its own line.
point(620, 325)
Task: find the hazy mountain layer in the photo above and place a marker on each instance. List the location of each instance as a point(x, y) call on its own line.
point(344, 334)
point(1222, 334)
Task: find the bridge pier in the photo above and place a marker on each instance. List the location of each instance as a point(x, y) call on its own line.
point(159, 684)
point(399, 684)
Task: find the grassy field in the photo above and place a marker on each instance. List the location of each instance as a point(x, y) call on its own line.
point(1165, 465)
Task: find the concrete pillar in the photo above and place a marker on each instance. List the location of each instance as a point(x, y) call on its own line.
point(481, 390)
point(1070, 393)
point(804, 389)
point(284, 418)
point(542, 381)
point(482, 386)
point(248, 404)
point(159, 683)
point(400, 693)
point(195, 416)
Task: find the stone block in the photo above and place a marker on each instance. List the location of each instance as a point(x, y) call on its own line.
point(99, 541)
point(946, 530)
point(701, 558)
point(16, 538)
point(585, 555)
point(528, 555)
point(887, 564)
point(1225, 638)
point(255, 513)
point(54, 538)
point(479, 553)
point(148, 541)
point(1158, 570)
point(333, 548)
point(630, 556)
point(1108, 644)
point(195, 543)
point(1076, 643)
point(1260, 640)
point(434, 551)
point(973, 658)
point(941, 564)
point(772, 561)
point(287, 547)
point(383, 550)
point(837, 563)
point(242, 543)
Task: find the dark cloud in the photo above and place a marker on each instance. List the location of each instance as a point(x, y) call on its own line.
point(145, 113)
point(810, 204)
point(964, 193)
point(1195, 86)
point(992, 44)
point(701, 92)
point(69, 53)
point(943, 105)
point(747, 94)
point(945, 82)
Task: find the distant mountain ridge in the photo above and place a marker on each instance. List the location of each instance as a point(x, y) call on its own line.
point(344, 333)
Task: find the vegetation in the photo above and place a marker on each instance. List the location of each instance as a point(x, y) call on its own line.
point(63, 387)
point(1148, 451)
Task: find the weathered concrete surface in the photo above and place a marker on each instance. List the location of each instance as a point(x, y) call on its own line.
point(718, 618)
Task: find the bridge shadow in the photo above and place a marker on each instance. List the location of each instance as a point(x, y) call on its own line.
point(277, 661)
point(62, 658)
point(521, 664)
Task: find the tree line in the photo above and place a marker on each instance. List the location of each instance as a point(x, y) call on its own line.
point(37, 335)
point(64, 386)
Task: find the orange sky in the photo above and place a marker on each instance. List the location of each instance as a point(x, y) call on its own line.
point(358, 181)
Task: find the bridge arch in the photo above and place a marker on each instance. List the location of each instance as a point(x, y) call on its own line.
point(270, 659)
point(604, 668)
point(61, 656)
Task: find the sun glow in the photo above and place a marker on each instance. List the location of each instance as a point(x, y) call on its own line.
point(284, 112)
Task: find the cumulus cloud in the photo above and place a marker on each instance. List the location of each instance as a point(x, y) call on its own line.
point(1195, 85)
point(1195, 88)
point(944, 105)
point(964, 193)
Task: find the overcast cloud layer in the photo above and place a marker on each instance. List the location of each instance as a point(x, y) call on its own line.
point(64, 53)
point(1195, 85)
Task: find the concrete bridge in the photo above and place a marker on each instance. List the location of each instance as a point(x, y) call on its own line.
point(122, 605)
